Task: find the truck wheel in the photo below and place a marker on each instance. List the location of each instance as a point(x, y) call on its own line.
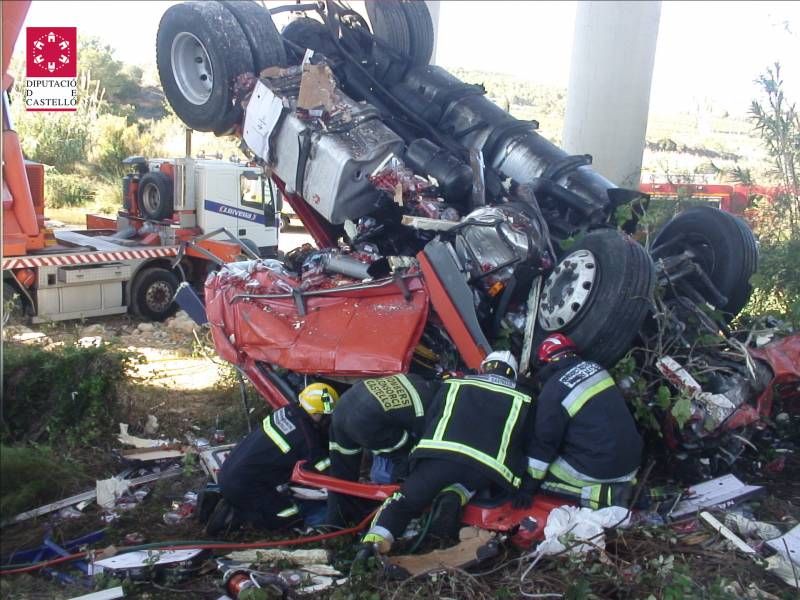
point(721, 243)
point(390, 28)
point(420, 31)
point(262, 36)
point(200, 50)
point(153, 293)
point(155, 196)
point(599, 295)
point(310, 33)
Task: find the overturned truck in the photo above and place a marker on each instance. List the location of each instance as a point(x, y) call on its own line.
point(444, 226)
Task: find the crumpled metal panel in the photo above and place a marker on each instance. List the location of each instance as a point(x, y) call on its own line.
point(365, 332)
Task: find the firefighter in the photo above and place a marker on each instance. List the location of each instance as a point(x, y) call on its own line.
point(585, 445)
point(385, 415)
point(263, 461)
point(473, 441)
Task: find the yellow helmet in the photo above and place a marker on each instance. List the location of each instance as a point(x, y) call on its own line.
point(318, 398)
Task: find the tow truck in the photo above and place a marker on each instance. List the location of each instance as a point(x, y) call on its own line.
point(174, 213)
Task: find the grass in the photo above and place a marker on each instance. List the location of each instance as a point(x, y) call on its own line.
point(23, 491)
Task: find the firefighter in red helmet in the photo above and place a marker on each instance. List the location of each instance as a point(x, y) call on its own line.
point(585, 445)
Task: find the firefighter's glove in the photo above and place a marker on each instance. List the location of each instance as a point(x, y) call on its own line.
point(524, 496)
point(367, 555)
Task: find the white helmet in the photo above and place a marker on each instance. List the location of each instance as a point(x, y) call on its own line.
point(503, 356)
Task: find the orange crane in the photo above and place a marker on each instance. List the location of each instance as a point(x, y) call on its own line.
point(23, 217)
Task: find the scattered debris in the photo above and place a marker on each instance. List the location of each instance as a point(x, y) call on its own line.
point(475, 546)
point(107, 594)
point(721, 493)
point(297, 557)
point(788, 545)
point(88, 495)
point(157, 453)
point(125, 438)
point(737, 542)
point(109, 490)
point(151, 426)
point(144, 558)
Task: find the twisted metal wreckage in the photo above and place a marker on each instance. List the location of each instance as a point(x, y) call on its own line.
point(446, 228)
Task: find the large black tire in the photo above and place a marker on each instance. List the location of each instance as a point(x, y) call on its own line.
point(309, 33)
point(155, 196)
point(723, 245)
point(420, 31)
point(263, 38)
point(153, 293)
point(208, 36)
point(607, 322)
point(390, 28)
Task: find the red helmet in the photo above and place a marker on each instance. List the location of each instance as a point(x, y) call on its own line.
point(554, 346)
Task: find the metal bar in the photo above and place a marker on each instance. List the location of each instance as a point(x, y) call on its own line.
point(343, 288)
point(90, 495)
point(530, 325)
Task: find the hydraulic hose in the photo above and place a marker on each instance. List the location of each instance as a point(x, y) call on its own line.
point(196, 544)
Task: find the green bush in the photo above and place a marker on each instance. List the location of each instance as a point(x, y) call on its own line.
point(67, 189)
point(22, 490)
point(114, 140)
point(66, 396)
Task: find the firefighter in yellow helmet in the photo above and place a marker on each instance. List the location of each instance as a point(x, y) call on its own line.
point(254, 476)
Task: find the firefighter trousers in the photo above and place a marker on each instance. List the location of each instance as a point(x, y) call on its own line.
point(429, 477)
point(587, 493)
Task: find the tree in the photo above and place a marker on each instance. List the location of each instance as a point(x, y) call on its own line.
point(121, 82)
point(776, 220)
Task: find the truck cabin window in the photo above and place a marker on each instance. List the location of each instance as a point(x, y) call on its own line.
point(252, 188)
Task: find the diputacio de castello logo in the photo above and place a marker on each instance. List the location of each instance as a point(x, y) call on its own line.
point(51, 70)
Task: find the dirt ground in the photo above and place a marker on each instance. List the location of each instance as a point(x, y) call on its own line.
point(192, 394)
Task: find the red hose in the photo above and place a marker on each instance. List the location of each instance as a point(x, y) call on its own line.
point(233, 546)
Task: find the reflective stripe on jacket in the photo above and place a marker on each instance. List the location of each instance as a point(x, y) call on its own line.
point(583, 423)
point(480, 423)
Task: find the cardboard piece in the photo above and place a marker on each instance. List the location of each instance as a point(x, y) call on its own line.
point(475, 545)
point(317, 88)
point(156, 453)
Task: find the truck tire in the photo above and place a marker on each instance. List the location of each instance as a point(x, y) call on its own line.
point(153, 293)
point(309, 33)
point(155, 196)
point(599, 295)
point(390, 28)
point(262, 36)
point(723, 245)
point(420, 31)
point(200, 50)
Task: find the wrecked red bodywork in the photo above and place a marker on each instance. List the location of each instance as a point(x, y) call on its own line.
point(527, 523)
point(272, 317)
point(783, 358)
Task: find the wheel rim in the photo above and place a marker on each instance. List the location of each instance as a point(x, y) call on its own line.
point(567, 289)
point(192, 68)
point(151, 198)
point(158, 296)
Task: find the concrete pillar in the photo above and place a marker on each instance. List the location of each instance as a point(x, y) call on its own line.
point(609, 85)
point(434, 7)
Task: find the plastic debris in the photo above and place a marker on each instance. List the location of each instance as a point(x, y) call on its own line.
point(750, 527)
point(297, 557)
point(108, 490)
point(568, 525)
point(721, 492)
